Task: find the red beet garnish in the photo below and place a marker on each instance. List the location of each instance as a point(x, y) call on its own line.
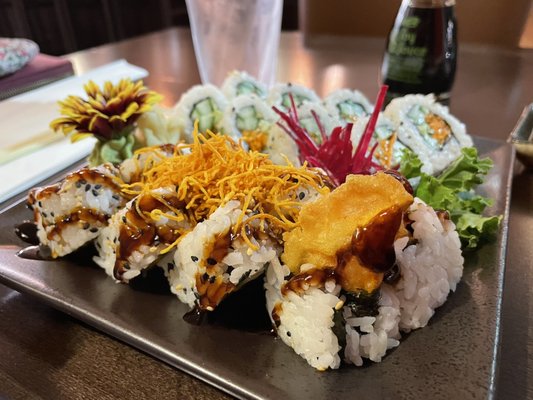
point(334, 154)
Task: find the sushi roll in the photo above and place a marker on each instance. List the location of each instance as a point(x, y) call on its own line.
point(390, 149)
point(326, 272)
point(212, 260)
point(132, 169)
point(139, 233)
point(348, 105)
point(280, 147)
point(246, 114)
point(430, 265)
point(202, 103)
point(332, 307)
point(308, 121)
point(240, 83)
point(72, 212)
point(280, 95)
point(429, 130)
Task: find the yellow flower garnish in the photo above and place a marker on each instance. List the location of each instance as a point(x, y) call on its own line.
point(106, 113)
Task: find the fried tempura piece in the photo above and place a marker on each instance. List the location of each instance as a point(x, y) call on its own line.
point(326, 227)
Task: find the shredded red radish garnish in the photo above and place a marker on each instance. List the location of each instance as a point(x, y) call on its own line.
point(334, 154)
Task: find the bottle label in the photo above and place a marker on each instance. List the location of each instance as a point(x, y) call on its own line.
point(406, 59)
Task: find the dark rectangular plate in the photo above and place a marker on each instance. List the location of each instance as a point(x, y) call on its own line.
point(454, 357)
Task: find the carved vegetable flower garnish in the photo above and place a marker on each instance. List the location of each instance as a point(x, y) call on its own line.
point(109, 114)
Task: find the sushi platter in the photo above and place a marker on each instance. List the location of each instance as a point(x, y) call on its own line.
point(150, 221)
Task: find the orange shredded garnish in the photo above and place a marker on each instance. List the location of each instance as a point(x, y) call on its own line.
point(256, 140)
point(384, 152)
point(214, 169)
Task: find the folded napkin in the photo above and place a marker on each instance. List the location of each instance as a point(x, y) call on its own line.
point(29, 151)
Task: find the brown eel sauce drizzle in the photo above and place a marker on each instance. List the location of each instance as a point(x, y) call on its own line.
point(137, 230)
point(374, 243)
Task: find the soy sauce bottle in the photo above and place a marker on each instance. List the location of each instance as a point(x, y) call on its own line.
point(421, 52)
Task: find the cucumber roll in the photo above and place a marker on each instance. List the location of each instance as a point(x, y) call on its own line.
point(245, 114)
point(308, 121)
point(240, 83)
point(202, 103)
point(429, 130)
point(280, 95)
point(348, 105)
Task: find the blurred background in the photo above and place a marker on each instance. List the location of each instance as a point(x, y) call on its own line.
point(65, 26)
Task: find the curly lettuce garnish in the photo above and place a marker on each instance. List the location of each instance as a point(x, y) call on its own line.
point(453, 190)
point(108, 114)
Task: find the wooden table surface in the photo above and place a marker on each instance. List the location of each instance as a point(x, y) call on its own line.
point(45, 354)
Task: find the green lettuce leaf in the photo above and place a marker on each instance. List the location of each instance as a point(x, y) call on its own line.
point(474, 229)
point(410, 164)
point(453, 190)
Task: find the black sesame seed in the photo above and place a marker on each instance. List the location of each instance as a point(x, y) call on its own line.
point(95, 192)
point(78, 184)
point(86, 225)
point(170, 266)
point(205, 276)
point(126, 266)
point(212, 279)
point(44, 214)
point(52, 214)
point(124, 219)
point(98, 186)
point(83, 181)
point(40, 204)
point(301, 195)
point(87, 187)
point(288, 334)
point(211, 261)
point(194, 258)
point(93, 230)
point(116, 197)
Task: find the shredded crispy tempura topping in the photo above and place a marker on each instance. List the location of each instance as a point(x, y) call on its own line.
point(214, 169)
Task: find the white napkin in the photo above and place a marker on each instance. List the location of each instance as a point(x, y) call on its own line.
point(30, 151)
